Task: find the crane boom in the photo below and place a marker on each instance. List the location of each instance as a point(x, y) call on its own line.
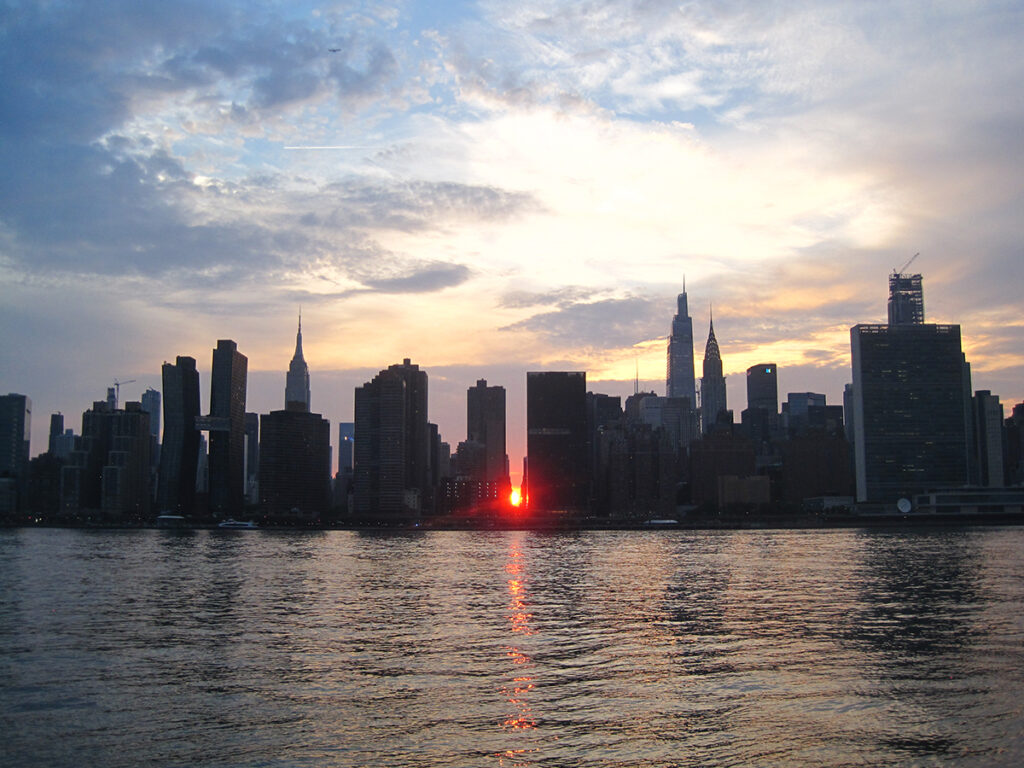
point(902, 269)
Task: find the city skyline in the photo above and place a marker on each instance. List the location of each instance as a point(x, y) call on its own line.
point(509, 189)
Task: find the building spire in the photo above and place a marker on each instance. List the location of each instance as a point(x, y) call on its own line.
point(298, 340)
point(296, 391)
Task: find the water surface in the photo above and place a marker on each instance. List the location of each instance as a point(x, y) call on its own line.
point(632, 648)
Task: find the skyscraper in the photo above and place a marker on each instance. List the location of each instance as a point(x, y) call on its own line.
point(761, 417)
point(556, 441)
point(988, 436)
point(763, 387)
point(485, 424)
point(56, 431)
point(179, 452)
point(910, 412)
point(712, 384)
point(111, 470)
point(679, 378)
point(227, 429)
point(15, 429)
point(296, 390)
point(346, 441)
point(906, 299)
point(151, 405)
point(295, 465)
point(392, 445)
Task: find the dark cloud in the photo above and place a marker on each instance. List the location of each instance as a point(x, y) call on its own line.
point(431, 277)
point(606, 324)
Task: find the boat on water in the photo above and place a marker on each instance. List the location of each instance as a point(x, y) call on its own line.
point(237, 525)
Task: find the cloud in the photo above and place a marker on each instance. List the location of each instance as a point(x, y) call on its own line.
point(605, 324)
point(415, 205)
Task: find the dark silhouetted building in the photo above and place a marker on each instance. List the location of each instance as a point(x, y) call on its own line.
point(761, 418)
point(15, 432)
point(110, 473)
point(763, 387)
point(346, 441)
point(296, 390)
point(227, 430)
point(712, 384)
point(485, 425)
point(679, 375)
point(252, 457)
point(295, 465)
point(179, 451)
point(556, 441)
point(56, 432)
point(1014, 462)
point(988, 439)
point(721, 463)
point(906, 299)
point(911, 413)
point(392, 446)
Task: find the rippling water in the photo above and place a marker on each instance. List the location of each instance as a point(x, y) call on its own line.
point(637, 648)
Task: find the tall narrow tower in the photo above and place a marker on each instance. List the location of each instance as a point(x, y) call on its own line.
point(679, 378)
point(296, 388)
point(712, 385)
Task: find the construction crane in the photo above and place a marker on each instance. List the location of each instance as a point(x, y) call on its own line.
point(117, 390)
point(903, 269)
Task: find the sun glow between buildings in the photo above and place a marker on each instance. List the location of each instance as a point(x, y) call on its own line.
point(515, 498)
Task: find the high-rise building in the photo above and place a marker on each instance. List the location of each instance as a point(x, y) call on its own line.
point(346, 441)
point(485, 424)
point(179, 451)
point(556, 441)
point(252, 457)
point(151, 405)
point(910, 412)
point(906, 299)
point(392, 445)
point(227, 429)
point(679, 378)
point(761, 417)
point(110, 473)
point(296, 390)
point(295, 465)
point(56, 432)
point(988, 438)
point(712, 384)
point(763, 387)
point(15, 430)
point(1014, 431)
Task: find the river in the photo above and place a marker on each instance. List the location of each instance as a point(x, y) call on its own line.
point(512, 648)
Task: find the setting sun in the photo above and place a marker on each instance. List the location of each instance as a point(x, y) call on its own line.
point(515, 498)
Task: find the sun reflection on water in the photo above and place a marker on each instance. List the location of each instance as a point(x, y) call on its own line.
point(517, 690)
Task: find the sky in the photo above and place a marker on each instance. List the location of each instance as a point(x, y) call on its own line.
point(493, 188)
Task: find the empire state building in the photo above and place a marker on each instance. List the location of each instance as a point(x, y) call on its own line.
point(296, 389)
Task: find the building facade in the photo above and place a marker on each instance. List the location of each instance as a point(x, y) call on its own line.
point(556, 441)
point(295, 466)
point(15, 431)
point(227, 430)
point(179, 451)
point(911, 416)
point(988, 439)
point(485, 424)
point(392, 446)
